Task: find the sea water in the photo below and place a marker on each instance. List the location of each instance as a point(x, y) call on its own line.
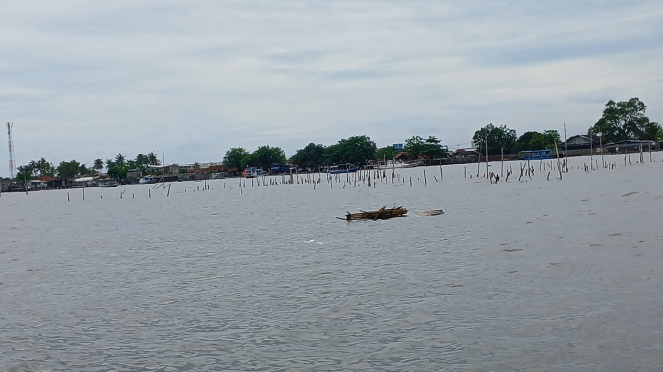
point(537, 275)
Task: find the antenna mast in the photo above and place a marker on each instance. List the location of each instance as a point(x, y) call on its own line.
point(12, 163)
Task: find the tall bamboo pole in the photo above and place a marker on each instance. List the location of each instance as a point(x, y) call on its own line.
point(591, 150)
point(566, 151)
point(486, 154)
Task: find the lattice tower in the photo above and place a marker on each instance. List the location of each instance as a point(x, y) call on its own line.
point(12, 162)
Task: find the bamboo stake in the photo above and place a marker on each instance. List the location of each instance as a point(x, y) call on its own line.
point(566, 151)
point(591, 150)
point(502, 171)
point(601, 144)
point(558, 165)
point(486, 154)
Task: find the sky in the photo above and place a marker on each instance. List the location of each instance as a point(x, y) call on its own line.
point(191, 79)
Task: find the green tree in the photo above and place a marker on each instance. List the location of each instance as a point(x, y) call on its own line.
point(355, 150)
point(24, 175)
point(120, 159)
point(625, 120)
point(153, 159)
point(233, 158)
point(45, 168)
point(498, 138)
point(386, 153)
point(117, 171)
point(85, 171)
point(429, 148)
point(310, 157)
point(264, 157)
point(532, 141)
point(98, 164)
point(142, 159)
point(523, 142)
point(68, 169)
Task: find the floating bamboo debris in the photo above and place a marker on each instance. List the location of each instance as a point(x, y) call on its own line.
point(434, 212)
point(381, 214)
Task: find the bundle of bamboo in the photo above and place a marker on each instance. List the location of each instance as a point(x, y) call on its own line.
point(381, 214)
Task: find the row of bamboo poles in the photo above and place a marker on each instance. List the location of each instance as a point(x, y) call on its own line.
point(373, 177)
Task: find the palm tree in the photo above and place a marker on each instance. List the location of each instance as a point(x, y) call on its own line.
point(33, 167)
point(153, 158)
point(142, 159)
point(120, 159)
point(98, 164)
point(109, 163)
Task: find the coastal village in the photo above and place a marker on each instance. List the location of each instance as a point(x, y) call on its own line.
point(623, 128)
point(577, 145)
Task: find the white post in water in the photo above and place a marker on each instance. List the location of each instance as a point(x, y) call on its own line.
point(502, 171)
point(486, 154)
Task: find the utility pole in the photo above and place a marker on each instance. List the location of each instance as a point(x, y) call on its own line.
point(12, 162)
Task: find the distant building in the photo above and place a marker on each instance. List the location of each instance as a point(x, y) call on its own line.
point(171, 169)
point(134, 175)
point(5, 185)
point(398, 147)
point(581, 142)
point(630, 146)
point(44, 182)
point(469, 155)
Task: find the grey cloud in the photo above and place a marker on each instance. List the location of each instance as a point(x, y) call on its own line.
point(194, 78)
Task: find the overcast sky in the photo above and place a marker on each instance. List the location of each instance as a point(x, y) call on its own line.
point(89, 79)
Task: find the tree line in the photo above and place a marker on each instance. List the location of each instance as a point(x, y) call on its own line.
point(67, 170)
point(625, 120)
point(356, 150)
point(619, 121)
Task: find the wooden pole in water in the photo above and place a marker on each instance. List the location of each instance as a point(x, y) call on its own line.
point(591, 150)
point(486, 154)
point(601, 144)
point(566, 152)
point(167, 195)
point(559, 167)
point(149, 193)
point(425, 182)
point(502, 171)
point(68, 197)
